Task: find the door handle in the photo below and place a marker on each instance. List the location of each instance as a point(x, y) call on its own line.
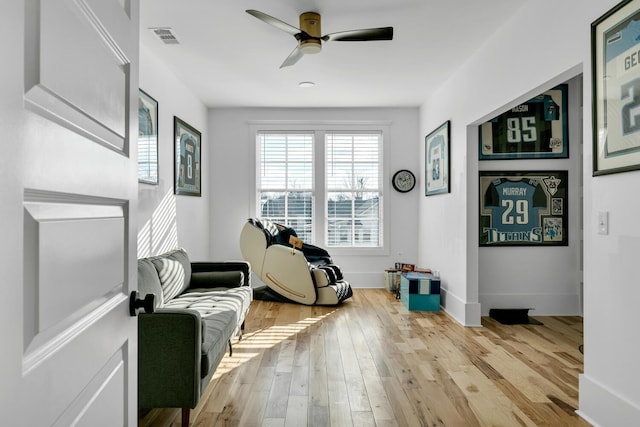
point(148, 304)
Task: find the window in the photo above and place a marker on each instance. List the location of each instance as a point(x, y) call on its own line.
point(285, 180)
point(326, 183)
point(353, 188)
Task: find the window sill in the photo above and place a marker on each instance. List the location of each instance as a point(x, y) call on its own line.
point(356, 251)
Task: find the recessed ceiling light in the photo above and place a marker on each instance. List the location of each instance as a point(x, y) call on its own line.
point(306, 84)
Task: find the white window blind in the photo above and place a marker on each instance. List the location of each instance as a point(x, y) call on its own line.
point(285, 180)
point(354, 189)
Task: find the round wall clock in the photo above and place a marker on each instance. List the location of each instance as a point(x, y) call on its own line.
point(403, 181)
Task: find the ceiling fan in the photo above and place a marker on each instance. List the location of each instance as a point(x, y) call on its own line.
point(309, 34)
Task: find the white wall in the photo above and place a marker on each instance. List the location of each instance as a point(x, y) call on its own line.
point(231, 164)
point(546, 43)
point(545, 279)
point(165, 220)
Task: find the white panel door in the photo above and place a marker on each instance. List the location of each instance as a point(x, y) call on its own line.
point(69, 78)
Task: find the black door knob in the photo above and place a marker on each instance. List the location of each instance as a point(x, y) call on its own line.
point(148, 304)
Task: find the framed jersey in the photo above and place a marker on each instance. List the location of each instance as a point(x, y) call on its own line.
point(523, 208)
point(147, 138)
point(436, 160)
point(187, 169)
point(615, 46)
point(532, 130)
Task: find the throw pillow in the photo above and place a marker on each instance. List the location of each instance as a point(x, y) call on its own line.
point(171, 275)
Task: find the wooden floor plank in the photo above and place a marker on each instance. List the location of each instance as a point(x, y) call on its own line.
point(278, 396)
point(372, 362)
point(253, 413)
point(297, 408)
point(233, 408)
point(363, 419)
point(490, 405)
point(339, 410)
point(358, 398)
point(318, 413)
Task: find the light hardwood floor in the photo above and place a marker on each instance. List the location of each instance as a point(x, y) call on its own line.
point(371, 362)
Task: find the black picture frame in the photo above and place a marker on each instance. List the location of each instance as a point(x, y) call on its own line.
point(437, 160)
point(187, 159)
point(615, 74)
point(148, 172)
point(524, 208)
point(536, 129)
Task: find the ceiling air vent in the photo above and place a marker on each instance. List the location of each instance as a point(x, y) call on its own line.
point(166, 35)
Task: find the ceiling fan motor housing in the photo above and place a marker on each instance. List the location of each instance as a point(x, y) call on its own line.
point(310, 24)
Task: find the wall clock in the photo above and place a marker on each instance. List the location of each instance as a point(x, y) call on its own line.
point(403, 181)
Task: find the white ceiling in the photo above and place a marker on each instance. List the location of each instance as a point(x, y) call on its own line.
point(231, 59)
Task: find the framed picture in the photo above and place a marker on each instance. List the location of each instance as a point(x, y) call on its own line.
point(436, 162)
point(524, 208)
point(536, 129)
point(147, 138)
point(188, 157)
point(615, 46)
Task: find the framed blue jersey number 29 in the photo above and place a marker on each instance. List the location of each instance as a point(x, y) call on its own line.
point(523, 208)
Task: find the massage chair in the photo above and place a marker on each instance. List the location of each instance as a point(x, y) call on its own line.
point(291, 270)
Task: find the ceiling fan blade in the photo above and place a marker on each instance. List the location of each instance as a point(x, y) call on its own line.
point(293, 57)
point(369, 34)
point(274, 21)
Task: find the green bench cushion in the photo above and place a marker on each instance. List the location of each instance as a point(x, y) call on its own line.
point(222, 311)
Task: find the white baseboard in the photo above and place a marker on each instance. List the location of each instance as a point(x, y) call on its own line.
point(541, 304)
point(601, 406)
point(466, 313)
point(365, 280)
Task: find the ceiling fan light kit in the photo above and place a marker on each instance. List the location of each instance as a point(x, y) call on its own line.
point(310, 46)
point(309, 34)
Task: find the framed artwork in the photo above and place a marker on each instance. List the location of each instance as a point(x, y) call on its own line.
point(615, 61)
point(536, 129)
point(147, 138)
point(524, 208)
point(188, 158)
point(436, 162)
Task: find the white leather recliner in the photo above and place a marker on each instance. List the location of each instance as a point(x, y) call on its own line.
point(293, 272)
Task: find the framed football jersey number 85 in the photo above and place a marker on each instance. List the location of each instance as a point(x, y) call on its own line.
point(532, 130)
point(524, 208)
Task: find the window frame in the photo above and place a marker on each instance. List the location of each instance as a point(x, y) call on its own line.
point(319, 191)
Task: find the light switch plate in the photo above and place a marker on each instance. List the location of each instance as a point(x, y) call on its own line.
point(603, 223)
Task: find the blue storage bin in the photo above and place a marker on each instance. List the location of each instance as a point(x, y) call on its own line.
point(420, 291)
